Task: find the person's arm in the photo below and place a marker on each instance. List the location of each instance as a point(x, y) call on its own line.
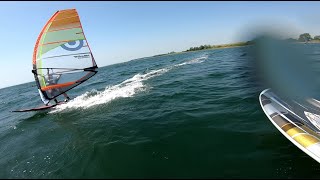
point(57, 77)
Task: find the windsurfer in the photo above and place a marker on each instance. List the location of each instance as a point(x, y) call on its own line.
point(52, 81)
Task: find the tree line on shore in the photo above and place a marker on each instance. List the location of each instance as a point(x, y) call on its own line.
point(219, 46)
point(305, 37)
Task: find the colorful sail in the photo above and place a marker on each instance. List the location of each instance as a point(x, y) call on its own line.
point(62, 58)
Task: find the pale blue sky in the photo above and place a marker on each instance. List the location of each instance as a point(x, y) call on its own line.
point(122, 31)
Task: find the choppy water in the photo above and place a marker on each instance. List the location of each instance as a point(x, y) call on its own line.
point(189, 115)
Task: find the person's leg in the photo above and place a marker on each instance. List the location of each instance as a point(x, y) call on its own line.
point(66, 96)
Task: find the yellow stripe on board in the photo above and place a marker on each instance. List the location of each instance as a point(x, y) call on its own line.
point(306, 140)
point(293, 131)
point(307, 129)
point(287, 127)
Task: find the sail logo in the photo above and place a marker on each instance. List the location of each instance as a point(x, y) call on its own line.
point(82, 56)
point(73, 45)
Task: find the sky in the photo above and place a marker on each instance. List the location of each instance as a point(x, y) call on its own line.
point(122, 31)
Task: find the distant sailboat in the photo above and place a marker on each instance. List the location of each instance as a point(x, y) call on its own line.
point(62, 58)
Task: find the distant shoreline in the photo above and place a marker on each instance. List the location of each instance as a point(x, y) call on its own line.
point(209, 47)
point(312, 42)
point(223, 46)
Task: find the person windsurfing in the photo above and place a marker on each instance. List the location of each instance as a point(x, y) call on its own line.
point(53, 43)
point(52, 81)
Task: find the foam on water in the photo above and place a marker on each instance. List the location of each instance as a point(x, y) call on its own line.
point(193, 61)
point(126, 88)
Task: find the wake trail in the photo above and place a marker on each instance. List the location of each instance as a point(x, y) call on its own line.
point(127, 88)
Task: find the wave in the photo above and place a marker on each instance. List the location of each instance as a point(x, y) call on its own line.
point(193, 61)
point(127, 88)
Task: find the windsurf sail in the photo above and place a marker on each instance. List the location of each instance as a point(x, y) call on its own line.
point(62, 58)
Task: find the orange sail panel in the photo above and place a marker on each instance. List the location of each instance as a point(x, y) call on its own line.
point(62, 58)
